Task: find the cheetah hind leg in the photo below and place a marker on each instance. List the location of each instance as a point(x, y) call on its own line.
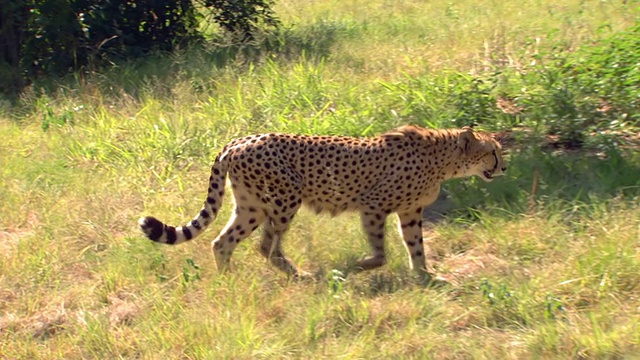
point(241, 224)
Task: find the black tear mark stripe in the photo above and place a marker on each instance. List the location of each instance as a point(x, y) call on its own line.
point(495, 157)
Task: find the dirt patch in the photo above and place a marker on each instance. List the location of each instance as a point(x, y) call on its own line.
point(6, 297)
point(122, 309)
point(44, 324)
point(10, 237)
point(455, 268)
point(59, 315)
point(9, 240)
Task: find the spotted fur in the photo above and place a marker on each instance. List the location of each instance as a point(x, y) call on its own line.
point(273, 175)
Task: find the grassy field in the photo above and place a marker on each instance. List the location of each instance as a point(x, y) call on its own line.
point(544, 263)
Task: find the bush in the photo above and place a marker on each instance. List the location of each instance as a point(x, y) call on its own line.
point(242, 18)
point(608, 74)
point(595, 88)
point(57, 36)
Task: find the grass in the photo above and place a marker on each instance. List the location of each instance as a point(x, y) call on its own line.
point(550, 273)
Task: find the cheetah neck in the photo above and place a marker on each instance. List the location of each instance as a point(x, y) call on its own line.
point(443, 152)
point(438, 150)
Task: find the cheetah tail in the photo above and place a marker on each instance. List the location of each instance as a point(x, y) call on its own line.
point(160, 232)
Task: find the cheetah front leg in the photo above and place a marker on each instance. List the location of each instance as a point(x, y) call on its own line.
point(271, 244)
point(410, 226)
point(373, 225)
point(271, 248)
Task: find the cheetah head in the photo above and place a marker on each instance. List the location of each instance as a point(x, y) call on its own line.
point(482, 154)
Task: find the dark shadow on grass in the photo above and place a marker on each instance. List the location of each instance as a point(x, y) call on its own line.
point(313, 41)
point(538, 177)
point(374, 282)
point(156, 73)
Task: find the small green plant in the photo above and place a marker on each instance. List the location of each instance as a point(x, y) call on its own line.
point(504, 308)
point(50, 118)
point(496, 295)
point(552, 306)
point(190, 272)
point(473, 100)
point(336, 281)
point(159, 265)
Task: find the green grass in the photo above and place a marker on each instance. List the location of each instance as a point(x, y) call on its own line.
point(553, 274)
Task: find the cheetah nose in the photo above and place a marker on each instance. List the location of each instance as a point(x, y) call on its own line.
point(504, 168)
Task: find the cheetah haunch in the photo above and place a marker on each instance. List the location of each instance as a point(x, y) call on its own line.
point(272, 175)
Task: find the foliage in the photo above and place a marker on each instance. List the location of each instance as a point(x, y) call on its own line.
point(452, 99)
point(608, 74)
point(569, 93)
point(13, 19)
point(595, 88)
point(54, 37)
point(242, 18)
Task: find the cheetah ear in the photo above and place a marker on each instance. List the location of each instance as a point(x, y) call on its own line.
point(466, 138)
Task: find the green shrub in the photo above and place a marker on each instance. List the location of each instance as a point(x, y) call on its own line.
point(595, 88)
point(55, 37)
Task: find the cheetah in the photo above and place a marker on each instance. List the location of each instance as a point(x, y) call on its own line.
point(273, 175)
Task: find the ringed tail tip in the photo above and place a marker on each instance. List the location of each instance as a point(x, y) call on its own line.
point(151, 227)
